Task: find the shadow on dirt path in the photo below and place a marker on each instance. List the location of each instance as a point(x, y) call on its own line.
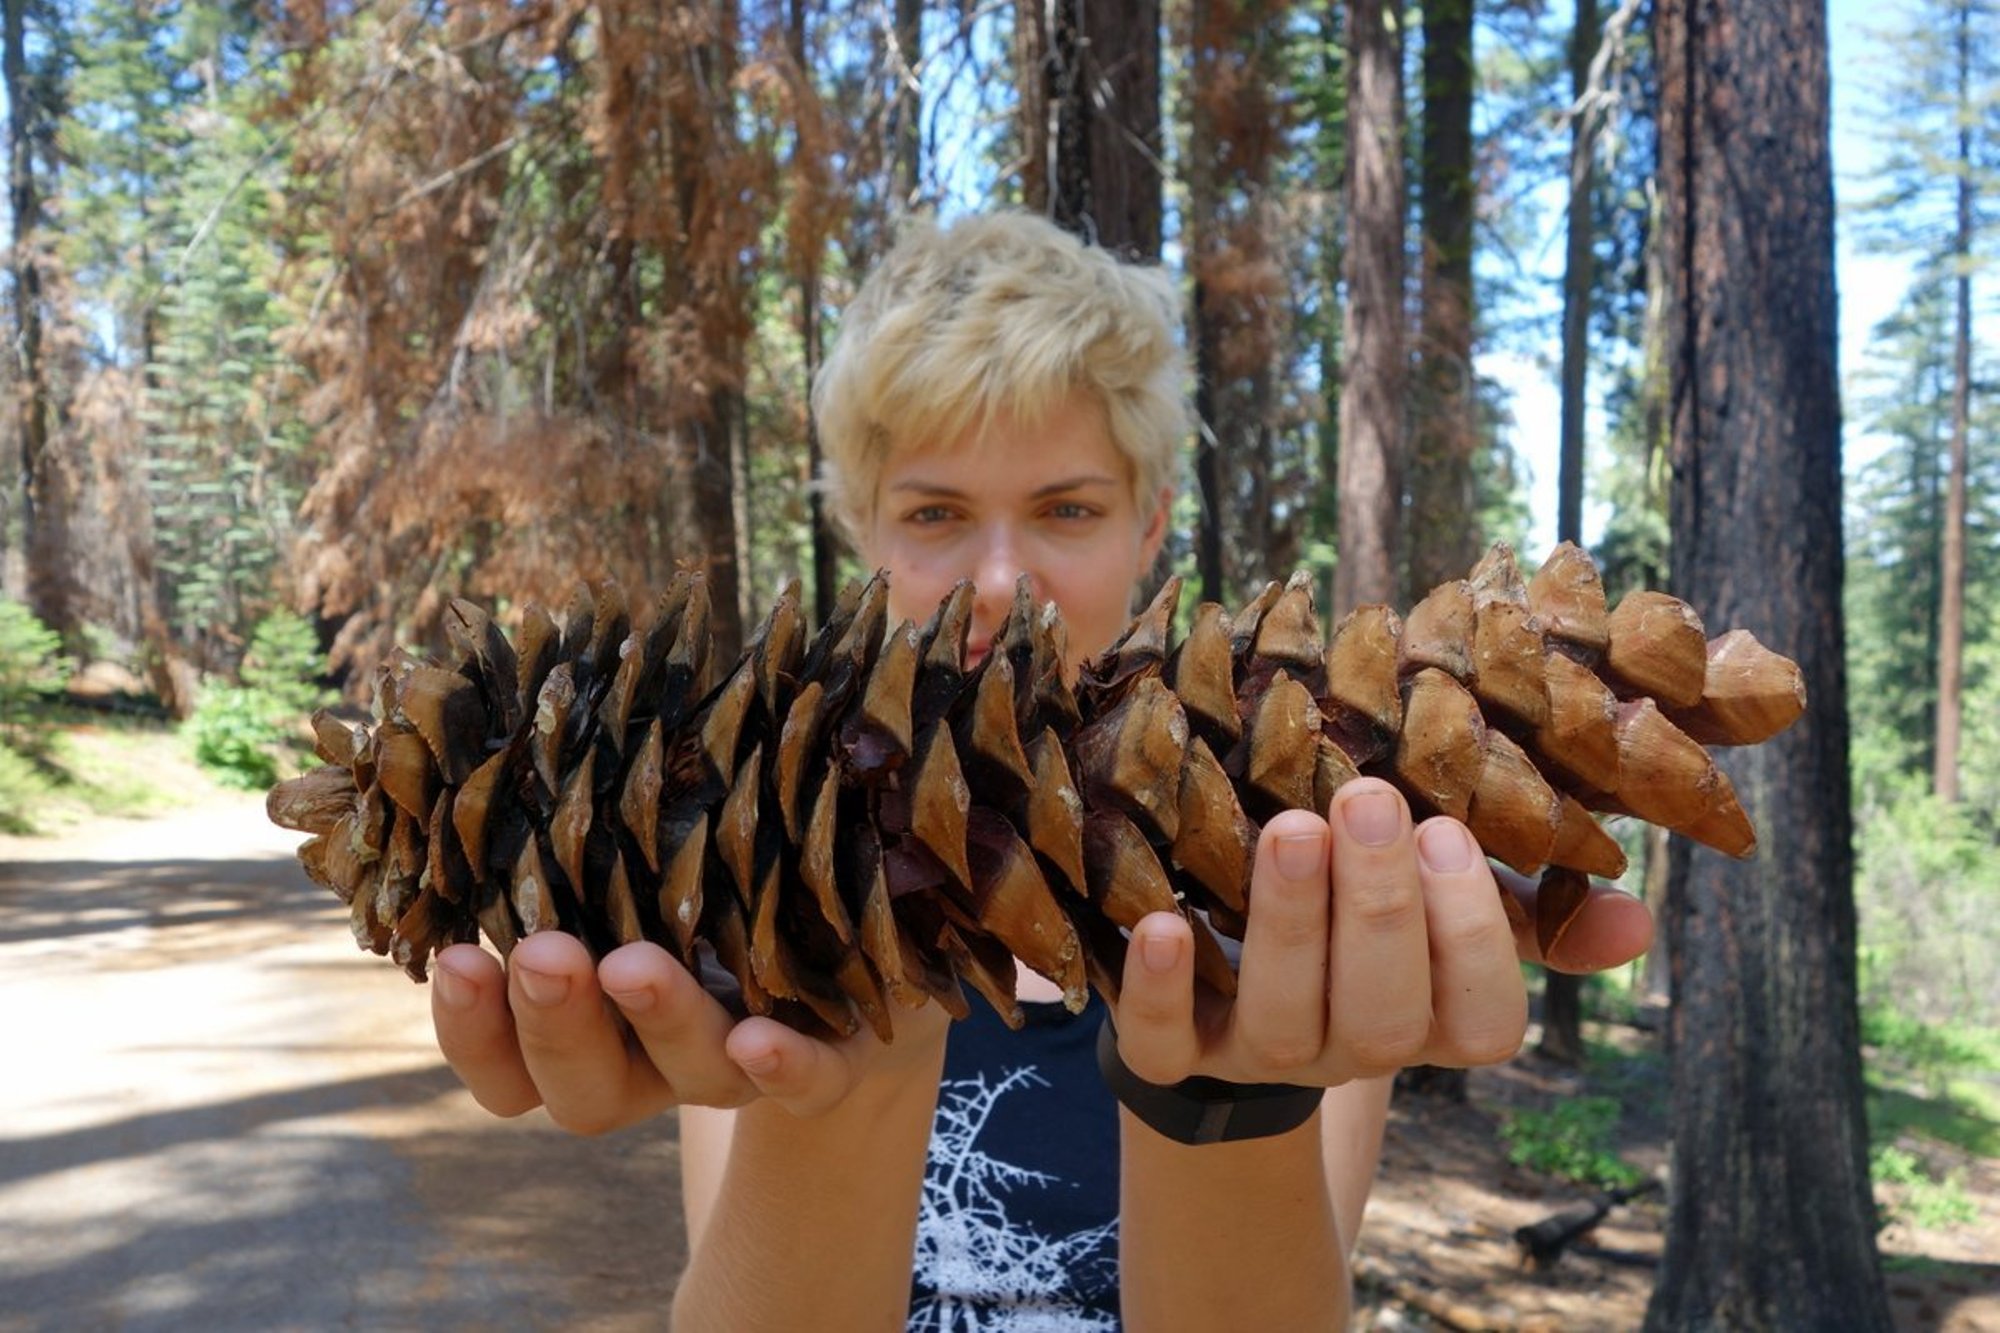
point(217, 1114)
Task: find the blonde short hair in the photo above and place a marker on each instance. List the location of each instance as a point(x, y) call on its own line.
point(1003, 312)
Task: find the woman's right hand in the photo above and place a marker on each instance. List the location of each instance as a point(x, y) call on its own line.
point(542, 1032)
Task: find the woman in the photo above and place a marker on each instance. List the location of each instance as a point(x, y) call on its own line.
point(1005, 402)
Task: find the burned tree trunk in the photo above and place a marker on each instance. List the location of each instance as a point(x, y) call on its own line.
point(1771, 1223)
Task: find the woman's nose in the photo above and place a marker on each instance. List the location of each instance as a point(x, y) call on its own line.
point(999, 567)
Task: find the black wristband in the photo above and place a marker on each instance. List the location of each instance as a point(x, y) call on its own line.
point(1205, 1110)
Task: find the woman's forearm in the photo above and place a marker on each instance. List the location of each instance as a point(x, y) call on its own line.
point(1228, 1235)
point(815, 1222)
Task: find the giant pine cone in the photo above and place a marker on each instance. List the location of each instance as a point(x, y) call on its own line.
point(855, 817)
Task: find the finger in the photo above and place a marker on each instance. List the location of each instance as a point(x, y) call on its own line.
point(806, 1076)
point(1155, 1015)
point(679, 1025)
point(1479, 1007)
point(590, 1080)
point(475, 1030)
point(1279, 1019)
point(1610, 929)
point(1380, 993)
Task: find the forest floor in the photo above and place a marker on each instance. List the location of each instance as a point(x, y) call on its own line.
point(1438, 1250)
point(235, 1120)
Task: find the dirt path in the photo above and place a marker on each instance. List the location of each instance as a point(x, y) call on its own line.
point(215, 1113)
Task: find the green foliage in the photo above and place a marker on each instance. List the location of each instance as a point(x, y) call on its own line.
point(246, 733)
point(284, 665)
point(236, 735)
point(1928, 874)
point(1572, 1140)
point(1923, 1198)
point(1934, 1052)
point(22, 788)
point(32, 671)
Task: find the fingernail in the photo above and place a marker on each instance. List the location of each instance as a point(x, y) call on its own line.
point(1372, 818)
point(542, 988)
point(764, 1062)
point(1300, 854)
point(453, 991)
point(1445, 846)
point(633, 1001)
point(1160, 952)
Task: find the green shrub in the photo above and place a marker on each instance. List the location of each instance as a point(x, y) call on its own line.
point(245, 733)
point(1572, 1140)
point(284, 665)
point(236, 736)
point(1927, 1201)
point(32, 672)
point(1926, 876)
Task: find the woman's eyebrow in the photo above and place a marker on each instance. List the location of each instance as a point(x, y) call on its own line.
point(920, 487)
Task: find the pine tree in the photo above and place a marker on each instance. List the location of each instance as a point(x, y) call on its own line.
point(1940, 117)
point(35, 75)
point(1372, 339)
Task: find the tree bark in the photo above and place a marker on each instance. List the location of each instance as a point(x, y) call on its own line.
point(1579, 277)
point(1122, 96)
point(1203, 191)
point(1371, 395)
point(1332, 184)
point(1444, 537)
point(1031, 71)
point(1095, 116)
point(44, 503)
point(1951, 599)
point(1562, 994)
point(1771, 1219)
point(824, 544)
point(906, 113)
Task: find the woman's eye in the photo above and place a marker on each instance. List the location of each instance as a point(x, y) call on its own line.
point(1072, 509)
point(929, 514)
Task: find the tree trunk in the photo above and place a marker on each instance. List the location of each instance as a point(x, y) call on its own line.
point(1653, 978)
point(1120, 94)
point(1951, 600)
point(1443, 528)
point(1579, 277)
point(1771, 1219)
point(906, 112)
point(1031, 70)
point(1092, 119)
point(1371, 395)
point(1332, 183)
point(44, 502)
point(1203, 208)
point(823, 541)
point(1562, 994)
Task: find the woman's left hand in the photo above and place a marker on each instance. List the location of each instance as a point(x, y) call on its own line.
point(1371, 945)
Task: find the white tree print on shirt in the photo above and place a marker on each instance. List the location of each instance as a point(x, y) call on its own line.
point(968, 1245)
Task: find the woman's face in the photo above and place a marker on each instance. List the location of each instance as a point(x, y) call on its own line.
point(1053, 502)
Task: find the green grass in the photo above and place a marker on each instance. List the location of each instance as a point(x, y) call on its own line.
point(1933, 1080)
point(1967, 1123)
point(96, 765)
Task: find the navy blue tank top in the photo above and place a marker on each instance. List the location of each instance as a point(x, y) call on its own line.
point(1018, 1225)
